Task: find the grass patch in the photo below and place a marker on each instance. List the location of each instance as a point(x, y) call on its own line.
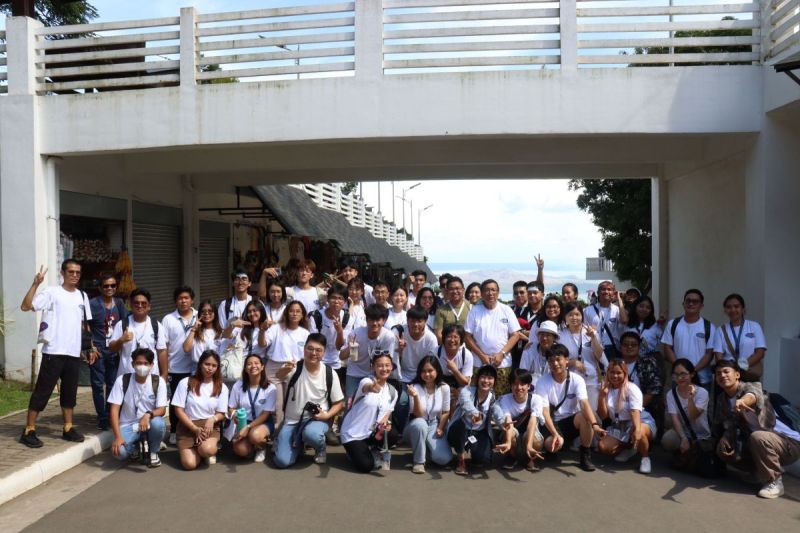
point(14, 395)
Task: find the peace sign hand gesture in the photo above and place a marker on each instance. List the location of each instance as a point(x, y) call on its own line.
point(39, 277)
point(539, 261)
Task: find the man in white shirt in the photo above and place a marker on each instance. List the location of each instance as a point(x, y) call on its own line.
point(142, 331)
point(607, 317)
point(233, 307)
point(491, 331)
point(692, 337)
point(416, 343)
point(66, 311)
point(350, 272)
point(313, 398)
point(138, 403)
point(418, 279)
point(365, 342)
point(311, 297)
point(178, 325)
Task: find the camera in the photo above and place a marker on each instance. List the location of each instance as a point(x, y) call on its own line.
point(312, 408)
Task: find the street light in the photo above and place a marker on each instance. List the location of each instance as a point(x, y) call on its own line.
point(419, 223)
point(404, 206)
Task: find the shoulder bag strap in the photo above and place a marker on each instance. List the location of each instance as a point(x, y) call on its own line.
point(685, 418)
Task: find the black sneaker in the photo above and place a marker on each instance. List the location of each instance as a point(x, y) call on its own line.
point(332, 439)
point(586, 459)
point(30, 439)
point(72, 435)
point(103, 425)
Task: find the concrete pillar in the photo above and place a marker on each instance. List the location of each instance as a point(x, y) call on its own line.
point(191, 234)
point(660, 245)
point(568, 21)
point(369, 39)
point(189, 47)
point(21, 55)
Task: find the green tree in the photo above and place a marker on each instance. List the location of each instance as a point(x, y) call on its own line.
point(620, 208)
point(349, 186)
point(60, 12)
point(215, 68)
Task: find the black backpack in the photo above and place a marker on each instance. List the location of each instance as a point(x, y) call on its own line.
point(153, 322)
point(296, 376)
point(126, 381)
point(316, 316)
point(706, 328)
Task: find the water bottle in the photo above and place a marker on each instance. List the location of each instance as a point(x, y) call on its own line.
point(241, 418)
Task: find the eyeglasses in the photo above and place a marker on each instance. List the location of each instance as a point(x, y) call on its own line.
point(692, 301)
point(630, 344)
point(315, 350)
point(206, 311)
point(110, 286)
point(519, 292)
point(139, 304)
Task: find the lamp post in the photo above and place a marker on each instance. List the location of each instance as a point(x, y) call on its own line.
point(404, 206)
point(419, 223)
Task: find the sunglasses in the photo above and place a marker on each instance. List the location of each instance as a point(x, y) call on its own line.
point(110, 286)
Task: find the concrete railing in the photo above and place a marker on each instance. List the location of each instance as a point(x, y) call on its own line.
point(370, 38)
point(3, 64)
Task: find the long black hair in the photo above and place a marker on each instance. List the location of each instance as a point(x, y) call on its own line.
point(434, 362)
point(633, 320)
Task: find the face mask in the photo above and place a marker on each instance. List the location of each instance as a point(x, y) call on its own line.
point(142, 371)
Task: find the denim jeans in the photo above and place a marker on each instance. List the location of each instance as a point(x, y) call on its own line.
point(131, 435)
point(102, 375)
point(421, 436)
point(288, 447)
point(401, 409)
point(481, 451)
point(351, 387)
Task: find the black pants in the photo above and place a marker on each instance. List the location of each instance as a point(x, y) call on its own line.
point(481, 451)
point(174, 379)
point(53, 368)
point(360, 451)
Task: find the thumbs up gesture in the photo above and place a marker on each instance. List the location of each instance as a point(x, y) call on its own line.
point(127, 336)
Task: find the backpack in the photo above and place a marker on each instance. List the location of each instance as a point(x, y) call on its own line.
point(785, 411)
point(153, 322)
point(296, 376)
point(316, 316)
point(706, 328)
point(126, 381)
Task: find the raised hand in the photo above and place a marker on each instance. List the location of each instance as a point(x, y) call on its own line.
point(39, 277)
point(539, 261)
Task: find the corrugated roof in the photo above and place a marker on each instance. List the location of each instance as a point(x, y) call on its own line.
point(299, 215)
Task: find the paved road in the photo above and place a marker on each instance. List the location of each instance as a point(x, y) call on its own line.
point(239, 495)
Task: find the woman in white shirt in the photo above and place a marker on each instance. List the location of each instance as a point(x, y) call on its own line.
point(206, 332)
point(631, 426)
point(256, 395)
point(455, 359)
point(370, 415)
point(429, 408)
point(356, 303)
point(426, 299)
point(247, 332)
point(586, 356)
point(693, 400)
point(740, 340)
point(643, 322)
point(397, 313)
point(200, 402)
point(276, 303)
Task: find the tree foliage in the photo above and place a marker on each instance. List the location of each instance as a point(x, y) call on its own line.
point(620, 208)
point(349, 186)
point(214, 81)
point(60, 12)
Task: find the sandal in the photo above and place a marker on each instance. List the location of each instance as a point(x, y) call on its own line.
point(461, 468)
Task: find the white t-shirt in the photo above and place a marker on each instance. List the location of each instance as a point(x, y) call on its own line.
point(308, 297)
point(651, 337)
point(433, 405)
point(62, 320)
point(750, 338)
point(463, 358)
point(177, 329)
point(414, 352)
point(357, 317)
point(509, 406)
point(534, 362)
point(691, 343)
point(331, 357)
point(367, 409)
point(368, 297)
point(491, 328)
point(310, 388)
point(247, 347)
point(633, 402)
point(285, 345)
point(552, 393)
point(143, 337)
point(580, 347)
point(202, 406)
point(264, 399)
point(275, 314)
point(396, 319)
point(699, 424)
point(237, 310)
point(208, 342)
point(608, 316)
point(385, 341)
point(139, 398)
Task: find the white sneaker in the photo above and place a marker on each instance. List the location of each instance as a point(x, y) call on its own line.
point(321, 457)
point(211, 460)
point(624, 455)
point(261, 455)
point(645, 467)
point(173, 439)
point(773, 489)
point(155, 461)
point(162, 446)
point(418, 469)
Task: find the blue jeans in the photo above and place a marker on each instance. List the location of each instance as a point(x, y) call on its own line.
point(131, 435)
point(421, 436)
point(288, 447)
point(401, 410)
point(102, 375)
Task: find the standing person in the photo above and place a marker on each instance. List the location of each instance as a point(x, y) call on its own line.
point(750, 435)
point(687, 405)
point(311, 297)
point(207, 332)
point(107, 310)
point(569, 293)
point(233, 307)
point(256, 395)
point(200, 402)
point(586, 356)
point(426, 300)
point(364, 343)
point(456, 309)
point(691, 337)
point(454, 358)
point(370, 414)
point(356, 302)
point(444, 279)
point(397, 313)
point(350, 272)
point(632, 427)
point(569, 414)
point(284, 343)
point(521, 412)
point(420, 342)
point(247, 333)
point(607, 317)
point(740, 340)
point(418, 280)
point(524, 317)
point(137, 404)
point(276, 303)
point(642, 320)
point(178, 325)
point(380, 291)
point(140, 330)
point(519, 298)
point(473, 293)
point(66, 309)
point(491, 330)
point(429, 409)
point(535, 292)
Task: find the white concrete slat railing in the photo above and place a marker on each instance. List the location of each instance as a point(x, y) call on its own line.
point(459, 35)
point(275, 43)
point(108, 55)
point(784, 30)
point(3, 64)
point(696, 32)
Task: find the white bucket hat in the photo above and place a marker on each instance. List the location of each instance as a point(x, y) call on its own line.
point(548, 326)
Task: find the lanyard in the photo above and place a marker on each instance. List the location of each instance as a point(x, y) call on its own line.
point(736, 338)
point(190, 325)
point(253, 401)
point(460, 310)
point(578, 341)
point(137, 341)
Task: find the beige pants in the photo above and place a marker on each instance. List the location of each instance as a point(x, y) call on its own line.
point(769, 451)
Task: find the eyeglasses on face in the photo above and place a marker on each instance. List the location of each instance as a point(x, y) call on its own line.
point(110, 286)
point(630, 344)
point(681, 374)
point(139, 303)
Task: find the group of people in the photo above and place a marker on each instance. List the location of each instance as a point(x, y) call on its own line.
point(455, 375)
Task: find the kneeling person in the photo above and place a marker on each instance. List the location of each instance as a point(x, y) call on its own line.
point(138, 402)
point(521, 412)
point(313, 398)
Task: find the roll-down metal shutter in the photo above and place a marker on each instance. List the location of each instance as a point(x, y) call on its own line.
point(214, 261)
point(157, 264)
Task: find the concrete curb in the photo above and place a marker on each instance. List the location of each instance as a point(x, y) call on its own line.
point(20, 481)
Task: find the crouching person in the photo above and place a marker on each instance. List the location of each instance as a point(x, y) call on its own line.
point(312, 399)
point(138, 402)
point(521, 412)
point(750, 436)
point(429, 401)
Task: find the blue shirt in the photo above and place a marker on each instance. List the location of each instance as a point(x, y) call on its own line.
point(103, 321)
